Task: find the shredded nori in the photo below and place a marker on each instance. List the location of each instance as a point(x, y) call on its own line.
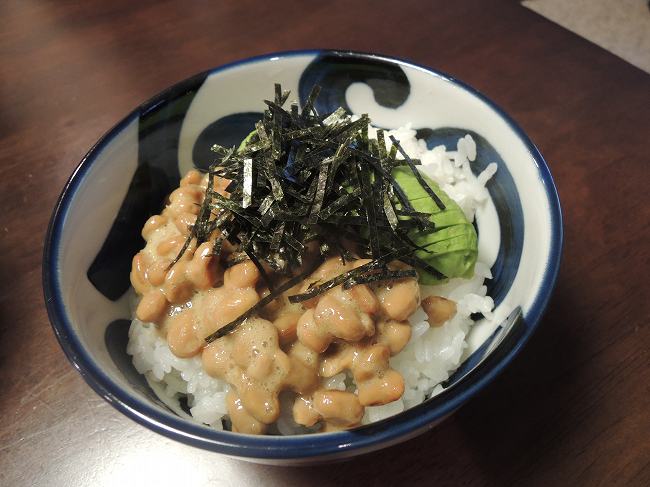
point(372, 266)
point(416, 173)
point(380, 276)
point(302, 176)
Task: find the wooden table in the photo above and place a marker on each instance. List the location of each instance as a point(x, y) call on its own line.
point(574, 408)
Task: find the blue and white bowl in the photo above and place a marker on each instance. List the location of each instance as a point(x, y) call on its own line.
point(124, 178)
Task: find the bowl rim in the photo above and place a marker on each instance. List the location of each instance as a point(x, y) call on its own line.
point(367, 438)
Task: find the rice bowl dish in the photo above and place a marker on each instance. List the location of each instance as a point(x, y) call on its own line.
point(432, 353)
point(126, 176)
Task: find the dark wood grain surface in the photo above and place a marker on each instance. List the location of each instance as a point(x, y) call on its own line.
point(573, 409)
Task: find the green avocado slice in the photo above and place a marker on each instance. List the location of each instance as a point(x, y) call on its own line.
point(453, 245)
point(246, 140)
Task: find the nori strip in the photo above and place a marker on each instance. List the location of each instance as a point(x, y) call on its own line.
point(309, 104)
point(380, 276)
point(417, 262)
point(320, 193)
point(293, 242)
point(235, 258)
point(403, 199)
point(235, 208)
point(332, 283)
point(389, 211)
point(381, 143)
point(265, 205)
point(417, 174)
point(277, 236)
point(339, 203)
point(260, 268)
point(248, 183)
point(363, 173)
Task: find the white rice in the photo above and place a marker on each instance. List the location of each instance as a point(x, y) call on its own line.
point(431, 355)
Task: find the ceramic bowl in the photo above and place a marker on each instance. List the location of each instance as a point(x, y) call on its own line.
point(95, 228)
